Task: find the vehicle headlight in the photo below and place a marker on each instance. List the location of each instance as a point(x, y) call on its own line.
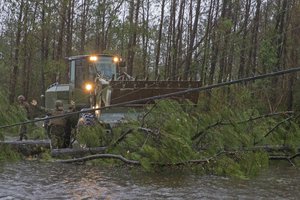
point(88, 87)
point(116, 59)
point(93, 58)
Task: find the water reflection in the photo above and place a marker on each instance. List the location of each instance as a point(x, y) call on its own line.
point(37, 180)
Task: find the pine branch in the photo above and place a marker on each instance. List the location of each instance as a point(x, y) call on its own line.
point(277, 125)
point(288, 158)
point(104, 156)
point(222, 123)
point(135, 162)
point(122, 137)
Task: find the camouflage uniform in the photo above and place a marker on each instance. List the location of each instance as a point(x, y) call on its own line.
point(57, 126)
point(24, 105)
point(71, 122)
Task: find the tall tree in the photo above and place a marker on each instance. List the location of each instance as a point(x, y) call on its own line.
point(61, 33)
point(191, 42)
point(244, 39)
point(85, 8)
point(293, 56)
point(158, 44)
point(254, 39)
point(15, 69)
point(133, 24)
point(145, 37)
point(215, 45)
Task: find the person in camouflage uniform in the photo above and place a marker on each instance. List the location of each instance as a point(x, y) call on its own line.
point(57, 126)
point(71, 122)
point(24, 105)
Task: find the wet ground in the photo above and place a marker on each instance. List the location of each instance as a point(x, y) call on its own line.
point(44, 180)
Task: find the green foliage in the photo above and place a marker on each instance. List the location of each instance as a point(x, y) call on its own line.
point(46, 156)
point(267, 54)
point(10, 114)
point(252, 162)
point(227, 166)
point(225, 25)
point(7, 154)
point(169, 140)
point(172, 133)
point(35, 132)
point(93, 136)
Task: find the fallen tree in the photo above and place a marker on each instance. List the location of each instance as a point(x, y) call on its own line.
point(28, 147)
point(177, 134)
point(76, 152)
point(199, 161)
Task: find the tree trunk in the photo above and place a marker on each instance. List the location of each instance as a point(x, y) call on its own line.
point(242, 66)
point(294, 54)
point(63, 11)
point(145, 38)
point(207, 45)
point(190, 48)
point(215, 48)
point(70, 24)
point(255, 33)
point(130, 40)
point(15, 70)
point(83, 25)
point(157, 54)
point(224, 39)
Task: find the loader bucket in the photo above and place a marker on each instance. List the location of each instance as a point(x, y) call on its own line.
point(124, 90)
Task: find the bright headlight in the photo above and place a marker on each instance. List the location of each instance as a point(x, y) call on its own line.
point(93, 58)
point(88, 87)
point(116, 59)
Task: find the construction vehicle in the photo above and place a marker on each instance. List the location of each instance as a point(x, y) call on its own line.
point(97, 81)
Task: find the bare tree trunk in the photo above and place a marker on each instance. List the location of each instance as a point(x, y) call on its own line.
point(15, 70)
point(83, 24)
point(192, 41)
point(177, 40)
point(130, 41)
point(103, 41)
point(63, 11)
point(133, 15)
point(215, 48)
point(26, 50)
point(157, 57)
point(45, 42)
point(244, 40)
point(145, 37)
point(281, 31)
point(294, 53)
point(207, 45)
point(224, 39)
point(70, 24)
point(255, 33)
point(233, 43)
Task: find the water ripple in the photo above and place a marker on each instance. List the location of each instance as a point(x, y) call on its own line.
point(38, 180)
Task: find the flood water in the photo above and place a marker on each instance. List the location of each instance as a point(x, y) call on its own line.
point(42, 180)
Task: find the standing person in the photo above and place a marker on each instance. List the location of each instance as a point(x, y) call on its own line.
point(24, 105)
point(71, 122)
point(57, 126)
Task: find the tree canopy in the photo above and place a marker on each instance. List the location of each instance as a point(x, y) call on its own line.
point(209, 40)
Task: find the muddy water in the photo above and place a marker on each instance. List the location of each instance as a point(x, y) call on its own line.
point(38, 180)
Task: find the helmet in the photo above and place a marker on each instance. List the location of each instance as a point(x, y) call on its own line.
point(58, 103)
point(21, 98)
point(33, 102)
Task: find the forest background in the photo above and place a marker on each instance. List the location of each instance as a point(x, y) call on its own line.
point(211, 41)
